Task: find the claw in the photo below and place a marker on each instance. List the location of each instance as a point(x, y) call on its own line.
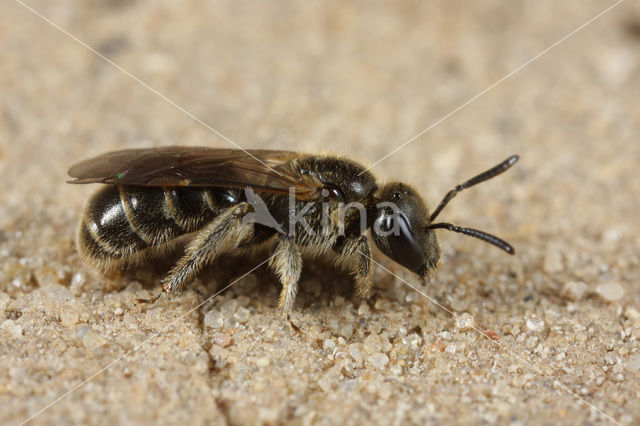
point(152, 300)
point(293, 326)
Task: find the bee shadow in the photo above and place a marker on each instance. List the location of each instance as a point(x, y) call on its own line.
point(321, 281)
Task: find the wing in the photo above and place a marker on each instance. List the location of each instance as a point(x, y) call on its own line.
point(260, 169)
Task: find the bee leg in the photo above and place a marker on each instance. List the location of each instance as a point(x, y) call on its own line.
point(363, 271)
point(224, 233)
point(293, 326)
point(287, 264)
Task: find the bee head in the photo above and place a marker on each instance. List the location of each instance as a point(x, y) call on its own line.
point(401, 229)
point(404, 230)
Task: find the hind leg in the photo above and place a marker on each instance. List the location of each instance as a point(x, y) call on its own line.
point(226, 232)
point(287, 264)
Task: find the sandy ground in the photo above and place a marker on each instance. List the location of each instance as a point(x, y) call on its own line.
point(360, 79)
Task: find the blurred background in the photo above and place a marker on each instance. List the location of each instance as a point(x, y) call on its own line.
point(357, 79)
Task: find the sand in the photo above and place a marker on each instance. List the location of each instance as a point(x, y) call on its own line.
point(547, 336)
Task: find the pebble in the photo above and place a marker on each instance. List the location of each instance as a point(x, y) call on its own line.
point(396, 370)
point(329, 345)
point(222, 340)
point(56, 292)
point(521, 380)
point(465, 321)
point(491, 334)
point(364, 310)
point(383, 305)
point(4, 299)
point(580, 337)
point(378, 360)
point(242, 315)
point(46, 277)
point(574, 290)
point(412, 296)
point(612, 235)
point(213, 319)
point(630, 313)
point(610, 291)
point(12, 328)
point(375, 327)
point(90, 339)
point(355, 352)
point(633, 364)
point(610, 358)
point(77, 282)
point(229, 307)
point(130, 320)
point(68, 318)
point(243, 300)
point(445, 335)
point(218, 353)
point(412, 340)
point(534, 324)
point(372, 344)
point(345, 329)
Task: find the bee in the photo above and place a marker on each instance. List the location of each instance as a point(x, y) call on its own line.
point(227, 201)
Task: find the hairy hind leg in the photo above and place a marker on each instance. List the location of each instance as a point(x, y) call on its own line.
point(226, 232)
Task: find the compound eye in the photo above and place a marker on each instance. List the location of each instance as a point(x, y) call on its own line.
point(332, 192)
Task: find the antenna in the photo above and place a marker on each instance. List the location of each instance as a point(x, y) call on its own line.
point(493, 172)
point(481, 235)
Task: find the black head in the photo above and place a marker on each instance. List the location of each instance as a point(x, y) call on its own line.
point(400, 229)
point(404, 230)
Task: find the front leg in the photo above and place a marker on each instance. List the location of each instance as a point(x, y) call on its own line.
point(226, 232)
point(286, 262)
point(362, 272)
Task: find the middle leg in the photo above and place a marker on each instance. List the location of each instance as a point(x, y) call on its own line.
point(360, 248)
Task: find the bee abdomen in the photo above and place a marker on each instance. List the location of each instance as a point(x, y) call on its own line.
point(105, 231)
point(120, 221)
point(191, 208)
point(149, 214)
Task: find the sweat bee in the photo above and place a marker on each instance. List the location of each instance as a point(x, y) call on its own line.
point(228, 201)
